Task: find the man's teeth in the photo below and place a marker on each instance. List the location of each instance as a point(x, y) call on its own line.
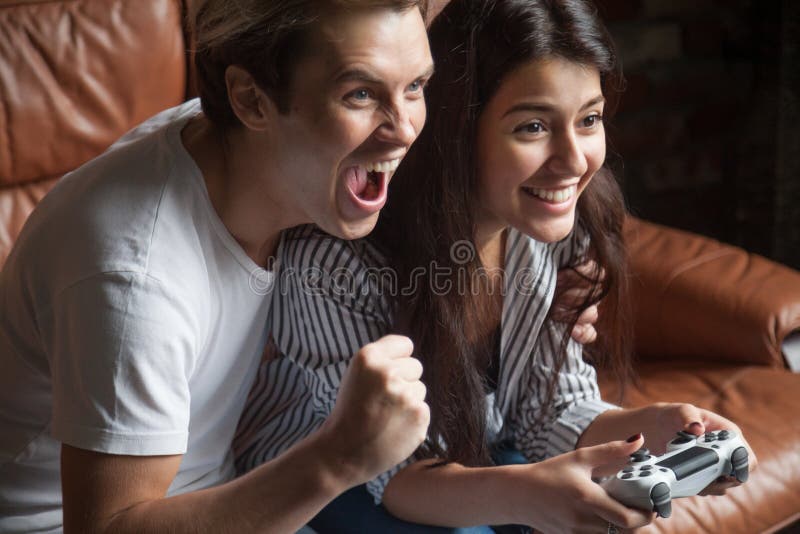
point(553, 195)
point(383, 166)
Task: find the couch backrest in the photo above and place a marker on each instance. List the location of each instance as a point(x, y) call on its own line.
point(74, 76)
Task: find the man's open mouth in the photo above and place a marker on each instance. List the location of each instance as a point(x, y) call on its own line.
point(368, 182)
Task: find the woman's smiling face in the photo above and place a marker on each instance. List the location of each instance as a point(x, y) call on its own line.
point(540, 140)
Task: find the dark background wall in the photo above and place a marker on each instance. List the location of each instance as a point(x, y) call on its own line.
point(708, 129)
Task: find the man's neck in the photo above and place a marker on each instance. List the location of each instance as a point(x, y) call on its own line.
point(239, 190)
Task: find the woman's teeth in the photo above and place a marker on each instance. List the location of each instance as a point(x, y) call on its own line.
point(383, 166)
point(553, 195)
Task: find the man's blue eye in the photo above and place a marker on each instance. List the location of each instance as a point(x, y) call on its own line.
point(361, 94)
point(415, 86)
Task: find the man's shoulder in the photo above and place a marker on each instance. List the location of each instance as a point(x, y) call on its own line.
point(107, 215)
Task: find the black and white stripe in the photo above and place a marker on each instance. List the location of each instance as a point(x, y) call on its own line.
point(318, 326)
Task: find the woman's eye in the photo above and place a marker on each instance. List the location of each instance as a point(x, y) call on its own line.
point(592, 120)
point(530, 128)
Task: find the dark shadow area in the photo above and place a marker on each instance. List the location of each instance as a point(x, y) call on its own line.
point(708, 124)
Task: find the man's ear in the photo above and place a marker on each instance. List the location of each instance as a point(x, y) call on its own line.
point(249, 102)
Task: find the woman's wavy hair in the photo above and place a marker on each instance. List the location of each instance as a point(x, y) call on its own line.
point(434, 199)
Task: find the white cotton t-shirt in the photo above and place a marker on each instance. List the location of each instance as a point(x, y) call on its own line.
point(131, 322)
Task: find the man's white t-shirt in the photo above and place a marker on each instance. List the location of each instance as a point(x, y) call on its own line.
point(131, 322)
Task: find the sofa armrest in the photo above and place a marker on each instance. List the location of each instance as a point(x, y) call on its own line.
point(695, 297)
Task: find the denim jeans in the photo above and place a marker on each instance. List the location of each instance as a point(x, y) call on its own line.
point(355, 512)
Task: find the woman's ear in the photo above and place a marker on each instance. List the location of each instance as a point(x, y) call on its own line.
point(251, 104)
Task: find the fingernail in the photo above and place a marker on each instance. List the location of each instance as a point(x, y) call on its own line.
point(634, 437)
point(696, 423)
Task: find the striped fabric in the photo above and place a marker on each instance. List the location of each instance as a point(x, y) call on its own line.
point(336, 296)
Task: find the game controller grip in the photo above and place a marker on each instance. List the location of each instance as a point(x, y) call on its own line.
point(741, 467)
point(662, 500)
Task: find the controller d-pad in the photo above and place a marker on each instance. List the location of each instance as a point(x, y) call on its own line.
point(626, 476)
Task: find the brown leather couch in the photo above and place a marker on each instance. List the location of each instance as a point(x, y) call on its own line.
point(75, 75)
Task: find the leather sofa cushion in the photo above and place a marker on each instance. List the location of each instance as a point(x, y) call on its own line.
point(74, 76)
point(696, 296)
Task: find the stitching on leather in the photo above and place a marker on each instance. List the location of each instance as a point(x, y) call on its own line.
point(705, 258)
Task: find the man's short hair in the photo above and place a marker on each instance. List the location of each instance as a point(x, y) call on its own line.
point(266, 38)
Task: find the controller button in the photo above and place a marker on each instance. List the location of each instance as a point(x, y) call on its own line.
point(741, 468)
point(645, 473)
point(662, 469)
point(628, 470)
point(709, 434)
point(641, 455)
point(626, 476)
point(647, 467)
point(662, 503)
point(715, 446)
point(683, 437)
point(710, 439)
point(723, 438)
point(723, 434)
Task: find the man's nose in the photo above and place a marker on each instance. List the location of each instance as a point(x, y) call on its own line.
point(399, 127)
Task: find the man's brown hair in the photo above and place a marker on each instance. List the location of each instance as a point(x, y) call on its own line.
point(266, 38)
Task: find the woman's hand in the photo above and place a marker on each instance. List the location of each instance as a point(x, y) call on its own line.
point(660, 423)
point(672, 417)
point(561, 496)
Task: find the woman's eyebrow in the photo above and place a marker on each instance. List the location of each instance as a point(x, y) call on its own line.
point(593, 102)
point(548, 108)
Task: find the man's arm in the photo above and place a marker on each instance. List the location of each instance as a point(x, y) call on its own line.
point(111, 493)
point(379, 419)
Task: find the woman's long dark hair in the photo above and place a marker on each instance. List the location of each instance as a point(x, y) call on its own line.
point(434, 199)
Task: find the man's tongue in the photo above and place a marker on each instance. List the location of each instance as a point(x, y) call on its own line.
point(361, 183)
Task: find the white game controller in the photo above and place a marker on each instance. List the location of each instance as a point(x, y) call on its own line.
point(690, 464)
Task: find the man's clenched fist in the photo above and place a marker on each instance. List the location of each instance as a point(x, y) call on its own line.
point(380, 417)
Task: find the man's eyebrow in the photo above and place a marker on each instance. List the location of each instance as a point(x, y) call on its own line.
point(547, 108)
point(356, 74)
point(429, 72)
point(362, 75)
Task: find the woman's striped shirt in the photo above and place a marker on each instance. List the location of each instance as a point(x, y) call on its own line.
point(335, 296)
